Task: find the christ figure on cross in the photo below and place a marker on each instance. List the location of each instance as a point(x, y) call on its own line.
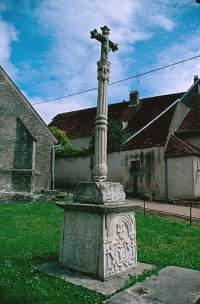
point(106, 44)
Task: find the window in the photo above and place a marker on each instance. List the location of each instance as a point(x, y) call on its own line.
point(135, 165)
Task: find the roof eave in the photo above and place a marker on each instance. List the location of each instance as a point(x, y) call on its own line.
point(182, 154)
point(187, 132)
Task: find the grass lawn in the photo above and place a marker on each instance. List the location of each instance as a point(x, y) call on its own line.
point(30, 235)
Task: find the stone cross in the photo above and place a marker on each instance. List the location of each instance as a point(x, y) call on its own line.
point(99, 210)
point(103, 72)
point(106, 44)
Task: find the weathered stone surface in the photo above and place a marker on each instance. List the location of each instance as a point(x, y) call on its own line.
point(23, 197)
point(81, 241)
point(99, 193)
point(173, 285)
point(120, 243)
point(100, 241)
point(103, 73)
point(26, 141)
point(108, 287)
point(49, 192)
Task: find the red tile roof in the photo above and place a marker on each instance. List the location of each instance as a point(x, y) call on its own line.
point(191, 121)
point(176, 146)
point(82, 122)
point(149, 108)
point(76, 123)
point(154, 135)
point(193, 101)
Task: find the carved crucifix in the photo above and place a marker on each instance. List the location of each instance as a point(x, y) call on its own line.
point(106, 44)
point(103, 72)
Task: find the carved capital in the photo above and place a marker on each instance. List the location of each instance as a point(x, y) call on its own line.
point(103, 70)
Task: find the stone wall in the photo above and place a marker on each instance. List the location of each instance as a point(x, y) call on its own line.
point(26, 142)
point(151, 175)
point(24, 197)
point(179, 177)
point(72, 170)
point(80, 141)
point(148, 174)
point(183, 179)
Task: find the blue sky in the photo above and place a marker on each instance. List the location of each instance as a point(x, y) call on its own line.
point(47, 51)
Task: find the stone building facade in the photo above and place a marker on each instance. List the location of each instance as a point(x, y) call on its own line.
point(26, 142)
point(162, 156)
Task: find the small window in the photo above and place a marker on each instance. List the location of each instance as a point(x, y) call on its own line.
point(135, 165)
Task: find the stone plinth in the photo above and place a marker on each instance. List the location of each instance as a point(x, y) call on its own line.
point(99, 193)
point(98, 240)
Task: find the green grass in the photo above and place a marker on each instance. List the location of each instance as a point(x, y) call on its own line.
point(164, 242)
point(30, 236)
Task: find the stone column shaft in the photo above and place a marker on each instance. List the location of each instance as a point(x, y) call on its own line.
point(100, 167)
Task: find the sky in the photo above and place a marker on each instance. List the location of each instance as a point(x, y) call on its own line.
point(46, 49)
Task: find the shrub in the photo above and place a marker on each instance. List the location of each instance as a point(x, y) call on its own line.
point(67, 148)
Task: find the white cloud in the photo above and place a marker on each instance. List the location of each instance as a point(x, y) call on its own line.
point(162, 21)
point(8, 35)
point(69, 64)
point(73, 54)
point(48, 110)
point(177, 78)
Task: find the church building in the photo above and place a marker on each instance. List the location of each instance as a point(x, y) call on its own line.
point(26, 142)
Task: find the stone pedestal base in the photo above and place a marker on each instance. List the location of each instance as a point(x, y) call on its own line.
point(98, 240)
point(99, 193)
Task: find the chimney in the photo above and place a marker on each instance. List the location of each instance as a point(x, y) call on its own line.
point(133, 98)
point(196, 77)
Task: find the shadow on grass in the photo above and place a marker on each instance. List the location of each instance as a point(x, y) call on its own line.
point(3, 296)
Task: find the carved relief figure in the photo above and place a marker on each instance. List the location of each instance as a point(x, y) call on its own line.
point(120, 244)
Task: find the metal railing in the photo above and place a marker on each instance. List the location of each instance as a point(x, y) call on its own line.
point(189, 217)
